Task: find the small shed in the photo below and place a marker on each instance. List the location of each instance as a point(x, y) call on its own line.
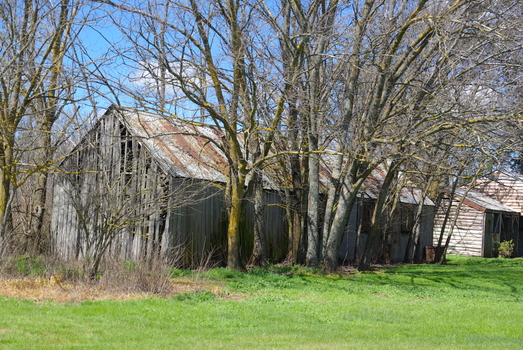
point(507, 188)
point(139, 184)
point(480, 225)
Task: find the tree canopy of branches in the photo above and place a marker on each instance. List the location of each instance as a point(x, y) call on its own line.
point(38, 78)
point(428, 91)
point(406, 85)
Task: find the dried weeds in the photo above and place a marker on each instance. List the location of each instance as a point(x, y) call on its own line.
point(58, 290)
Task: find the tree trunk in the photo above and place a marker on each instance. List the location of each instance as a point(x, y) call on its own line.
point(296, 251)
point(233, 228)
point(331, 199)
point(413, 253)
point(260, 240)
point(441, 249)
point(35, 237)
point(313, 242)
point(348, 197)
point(6, 195)
point(296, 206)
point(350, 188)
point(50, 107)
point(375, 229)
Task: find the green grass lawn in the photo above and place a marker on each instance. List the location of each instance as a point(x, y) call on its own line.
point(472, 304)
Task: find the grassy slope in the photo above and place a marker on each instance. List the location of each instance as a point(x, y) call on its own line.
point(475, 304)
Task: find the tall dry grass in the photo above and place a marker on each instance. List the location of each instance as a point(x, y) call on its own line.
point(44, 277)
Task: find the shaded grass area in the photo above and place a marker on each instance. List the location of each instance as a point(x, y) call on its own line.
point(474, 304)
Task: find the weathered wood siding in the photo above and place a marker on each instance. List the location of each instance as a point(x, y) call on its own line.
point(400, 236)
point(356, 238)
point(507, 189)
point(198, 231)
point(274, 226)
point(427, 228)
point(109, 187)
point(64, 224)
point(467, 235)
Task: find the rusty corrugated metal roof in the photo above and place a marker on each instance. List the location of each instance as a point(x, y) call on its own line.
point(183, 150)
point(193, 151)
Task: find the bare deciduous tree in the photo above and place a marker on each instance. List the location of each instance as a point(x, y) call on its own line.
point(38, 78)
point(412, 71)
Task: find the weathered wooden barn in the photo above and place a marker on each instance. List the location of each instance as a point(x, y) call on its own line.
point(507, 188)
point(139, 184)
point(398, 228)
point(481, 223)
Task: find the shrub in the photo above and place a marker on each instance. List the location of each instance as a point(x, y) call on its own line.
point(30, 266)
point(506, 248)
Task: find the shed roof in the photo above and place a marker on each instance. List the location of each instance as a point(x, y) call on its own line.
point(482, 202)
point(504, 174)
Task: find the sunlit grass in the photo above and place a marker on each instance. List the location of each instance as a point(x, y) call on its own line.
point(474, 304)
